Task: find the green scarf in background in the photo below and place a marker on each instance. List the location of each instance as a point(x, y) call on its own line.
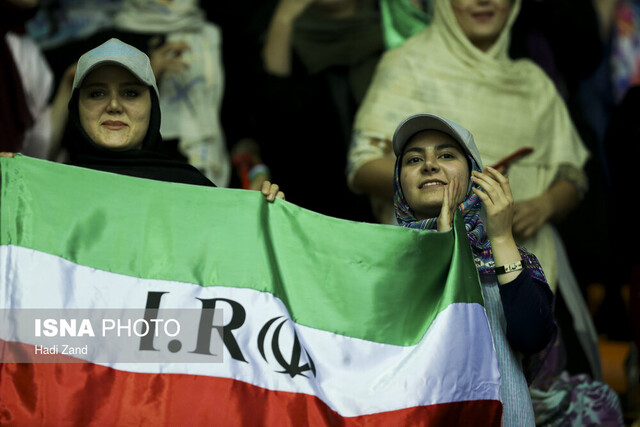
point(401, 19)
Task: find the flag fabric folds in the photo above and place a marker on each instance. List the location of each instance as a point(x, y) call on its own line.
point(323, 321)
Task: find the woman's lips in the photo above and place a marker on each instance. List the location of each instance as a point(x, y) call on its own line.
point(431, 184)
point(114, 125)
point(483, 16)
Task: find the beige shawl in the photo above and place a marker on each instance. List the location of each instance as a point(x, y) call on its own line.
point(506, 104)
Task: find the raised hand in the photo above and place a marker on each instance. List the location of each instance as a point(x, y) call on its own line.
point(495, 194)
point(276, 53)
point(453, 195)
point(271, 191)
point(168, 58)
point(531, 214)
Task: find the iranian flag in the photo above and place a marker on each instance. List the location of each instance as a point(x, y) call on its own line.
point(126, 301)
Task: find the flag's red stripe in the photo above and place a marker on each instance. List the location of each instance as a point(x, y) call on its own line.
point(70, 394)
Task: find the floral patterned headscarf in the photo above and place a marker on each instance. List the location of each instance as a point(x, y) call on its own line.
point(471, 213)
point(470, 209)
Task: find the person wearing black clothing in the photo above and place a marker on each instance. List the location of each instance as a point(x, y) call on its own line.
point(319, 58)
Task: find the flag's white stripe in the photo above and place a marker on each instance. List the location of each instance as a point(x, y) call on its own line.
point(354, 376)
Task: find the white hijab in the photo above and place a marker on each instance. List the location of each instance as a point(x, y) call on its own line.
point(505, 104)
point(160, 16)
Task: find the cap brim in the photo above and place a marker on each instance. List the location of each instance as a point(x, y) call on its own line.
point(102, 63)
point(114, 52)
point(418, 123)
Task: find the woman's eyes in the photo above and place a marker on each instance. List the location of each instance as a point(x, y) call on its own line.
point(418, 159)
point(127, 93)
point(131, 93)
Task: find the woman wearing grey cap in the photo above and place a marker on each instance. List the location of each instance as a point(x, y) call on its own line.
point(459, 67)
point(115, 119)
point(438, 171)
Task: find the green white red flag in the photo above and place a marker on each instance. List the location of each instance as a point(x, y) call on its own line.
point(323, 321)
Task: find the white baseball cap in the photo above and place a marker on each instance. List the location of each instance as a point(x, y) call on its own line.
point(116, 52)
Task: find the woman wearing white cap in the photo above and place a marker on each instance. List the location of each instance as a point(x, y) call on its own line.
point(114, 115)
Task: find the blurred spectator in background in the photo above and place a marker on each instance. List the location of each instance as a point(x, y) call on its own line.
point(319, 57)
point(571, 41)
point(625, 55)
point(567, 39)
point(185, 52)
point(32, 122)
point(459, 67)
point(243, 24)
point(623, 151)
point(59, 22)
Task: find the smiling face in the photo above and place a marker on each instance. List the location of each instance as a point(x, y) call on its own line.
point(430, 160)
point(114, 108)
point(482, 21)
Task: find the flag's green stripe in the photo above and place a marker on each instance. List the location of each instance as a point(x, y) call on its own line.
point(369, 281)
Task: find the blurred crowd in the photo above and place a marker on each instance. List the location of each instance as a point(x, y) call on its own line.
point(306, 93)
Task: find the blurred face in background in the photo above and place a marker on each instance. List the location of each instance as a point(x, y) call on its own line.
point(114, 108)
point(482, 21)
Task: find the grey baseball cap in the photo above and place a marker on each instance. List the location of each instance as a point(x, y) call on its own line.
point(116, 52)
point(420, 122)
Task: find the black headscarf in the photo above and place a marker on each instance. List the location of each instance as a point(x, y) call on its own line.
point(147, 162)
point(355, 42)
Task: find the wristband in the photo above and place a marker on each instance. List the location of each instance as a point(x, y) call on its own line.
point(503, 269)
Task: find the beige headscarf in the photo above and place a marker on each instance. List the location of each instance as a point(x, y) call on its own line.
point(505, 104)
point(160, 16)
